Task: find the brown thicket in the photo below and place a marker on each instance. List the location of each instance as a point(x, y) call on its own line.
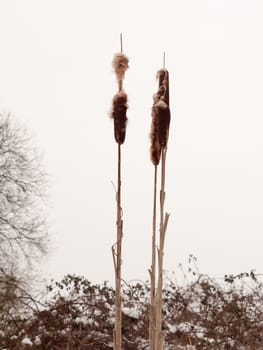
point(204, 314)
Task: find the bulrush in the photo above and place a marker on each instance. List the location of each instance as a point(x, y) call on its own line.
point(159, 138)
point(119, 109)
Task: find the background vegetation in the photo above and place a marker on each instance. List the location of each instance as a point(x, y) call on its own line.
point(203, 313)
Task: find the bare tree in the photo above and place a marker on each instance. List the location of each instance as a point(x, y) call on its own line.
point(23, 235)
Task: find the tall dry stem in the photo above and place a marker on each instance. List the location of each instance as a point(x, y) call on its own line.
point(152, 271)
point(117, 335)
point(159, 339)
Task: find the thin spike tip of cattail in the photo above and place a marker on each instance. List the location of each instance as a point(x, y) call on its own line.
point(120, 106)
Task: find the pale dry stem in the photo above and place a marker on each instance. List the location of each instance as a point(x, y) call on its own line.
point(159, 339)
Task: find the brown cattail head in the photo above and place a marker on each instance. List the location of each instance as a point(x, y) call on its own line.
point(119, 108)
point(162, 105)
point(154, 136)
point(163, 91)
point(163, 123)
point(160, 117)
point(120, 64)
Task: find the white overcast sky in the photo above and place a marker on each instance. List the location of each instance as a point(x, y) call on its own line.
point(56, 78)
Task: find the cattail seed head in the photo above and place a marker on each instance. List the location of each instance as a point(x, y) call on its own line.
point(119, 109)
point(163, 91)
point(162, 104)
point(163, 124)
point(160, 117)
point(120, 65)
point(155, 150)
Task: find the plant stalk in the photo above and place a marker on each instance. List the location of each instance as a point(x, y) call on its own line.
point(159, 339)
point(118, 299)
point(152, 323)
